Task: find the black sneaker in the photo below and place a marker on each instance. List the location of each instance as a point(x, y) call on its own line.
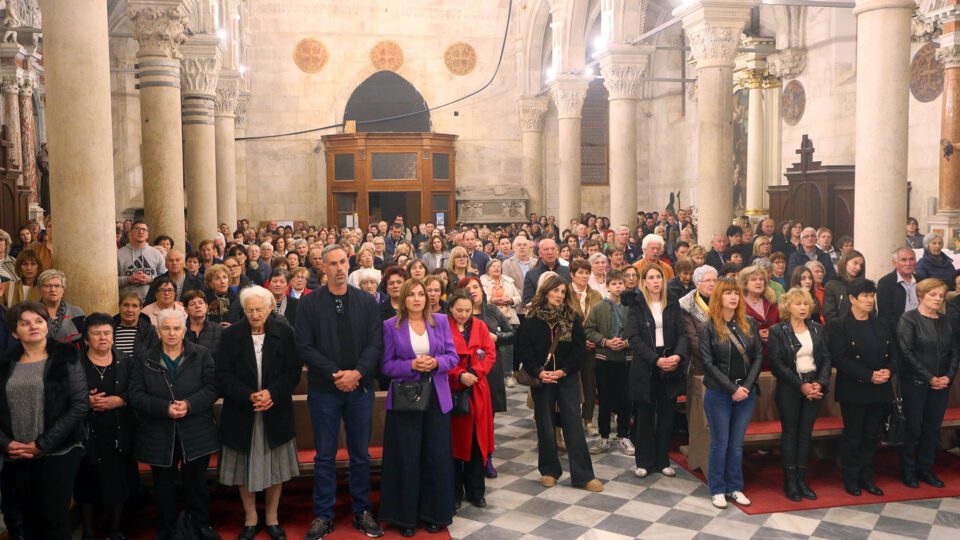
point(319, 528)
point(364, 521)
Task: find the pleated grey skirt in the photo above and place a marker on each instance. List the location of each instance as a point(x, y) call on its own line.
point(262, 467)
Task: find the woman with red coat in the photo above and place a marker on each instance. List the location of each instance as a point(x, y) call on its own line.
point(761, 304)
point(473, 431)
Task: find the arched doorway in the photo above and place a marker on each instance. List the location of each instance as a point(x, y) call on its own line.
point(388, 95)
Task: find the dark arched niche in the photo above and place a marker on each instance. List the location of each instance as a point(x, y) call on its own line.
point(385, 95)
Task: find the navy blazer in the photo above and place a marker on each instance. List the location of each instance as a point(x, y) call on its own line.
point(319, 347)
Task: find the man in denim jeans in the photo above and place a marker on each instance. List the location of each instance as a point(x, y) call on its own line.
point(339, 337)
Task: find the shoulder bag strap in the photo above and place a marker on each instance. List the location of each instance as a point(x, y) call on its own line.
point(553, 348)
point(735, 339)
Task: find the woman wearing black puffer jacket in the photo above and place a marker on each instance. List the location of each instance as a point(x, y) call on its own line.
point(800, 360)
point(173, 390)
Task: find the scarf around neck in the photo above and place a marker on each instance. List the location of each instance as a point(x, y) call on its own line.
point(557, 318)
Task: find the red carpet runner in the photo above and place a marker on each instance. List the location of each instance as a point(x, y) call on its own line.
point(296, 513)
point(764, 482)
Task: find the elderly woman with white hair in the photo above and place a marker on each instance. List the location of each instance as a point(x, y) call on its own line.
point(65, 319)
point(598, 273)
point(172, 390)
point(935, 263)
point(695, 306)
point(257, 372)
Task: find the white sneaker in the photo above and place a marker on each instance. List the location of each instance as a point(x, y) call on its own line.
point(591, 429)
point(669, 471)
point(602, 445)
point(739, 498)
point(510, 382)
point(720, 501)
point(626, 446)
point(640, 472)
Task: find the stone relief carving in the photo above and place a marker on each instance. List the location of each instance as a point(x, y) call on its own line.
point(794, 102)
point(569, 100)
point(532, 117)
point(788, 63)
point(460, 58)
point(926, 74)
point(386, 55)
point(240, 112)
point(226, 102)
point(949, 56)
point(470, 210)
point(622, 80)
point(310, 55)
point(714, 44)
point(491, 204)
point(200, 74)
point(160, 32)
point(923, 29)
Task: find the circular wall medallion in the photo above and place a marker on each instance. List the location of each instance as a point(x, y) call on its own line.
point(460, 58)
point(926, 74)
point(794, 102)
point(386, 55)
point(310, 55)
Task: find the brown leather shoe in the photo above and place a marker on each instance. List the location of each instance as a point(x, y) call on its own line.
point(548, 481)
point(594, 486)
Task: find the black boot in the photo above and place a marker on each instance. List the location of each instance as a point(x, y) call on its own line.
point(790, 488)
point(802, 484)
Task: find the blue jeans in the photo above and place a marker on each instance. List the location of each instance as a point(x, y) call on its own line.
point(326, 410)
point(728, 423)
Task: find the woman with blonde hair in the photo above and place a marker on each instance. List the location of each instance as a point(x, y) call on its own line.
point(730, 350)
point(459, 266)
point(760, 302)
point(698, 255)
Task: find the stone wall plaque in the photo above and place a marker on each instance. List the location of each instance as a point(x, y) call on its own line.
point(386, 55)
point(926, 74)
point(310, 55)
point(460, 58)
point(492, 204)
point(794, 102)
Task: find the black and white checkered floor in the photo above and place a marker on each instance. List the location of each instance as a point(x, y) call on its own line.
point(659, 507)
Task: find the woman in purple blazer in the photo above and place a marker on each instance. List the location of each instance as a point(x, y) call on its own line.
point(417, 481)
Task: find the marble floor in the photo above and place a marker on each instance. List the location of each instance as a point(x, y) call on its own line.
point(659, 507)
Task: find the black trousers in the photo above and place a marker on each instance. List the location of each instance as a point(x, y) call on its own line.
point(469, 477)
point(613, 392)
point(417, 475)
point(858, 444)
point(37, 492)
point(924, 409)
point(196, 499)
point(589, 382)
point(561, 402)
point(797, 415)
point(654, 428)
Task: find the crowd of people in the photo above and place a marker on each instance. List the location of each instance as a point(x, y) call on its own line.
point(603, 323)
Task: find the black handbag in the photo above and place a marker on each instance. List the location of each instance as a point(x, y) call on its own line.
point(461, 398)
point(894, 429)
point(413, 396)
point(527, 379)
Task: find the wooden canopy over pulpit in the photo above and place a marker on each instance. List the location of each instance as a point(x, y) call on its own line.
point(815, 194)
point(378, 176)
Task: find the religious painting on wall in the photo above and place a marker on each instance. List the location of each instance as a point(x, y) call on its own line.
point(926, 74)
point(741, 106)
point(794, 102)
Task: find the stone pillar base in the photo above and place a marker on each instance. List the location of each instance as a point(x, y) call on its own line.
point(946, 224)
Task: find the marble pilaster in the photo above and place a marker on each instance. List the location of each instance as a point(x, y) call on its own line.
point(569, 92)
point(240, 131)
point(199, 73)
point(713, 28)
point(28, 138)
point(159, 28)
point(80, 141)
point(11, 117)
point(225, 106)
point(883, 83)
point(622, 67)
point(533, 110)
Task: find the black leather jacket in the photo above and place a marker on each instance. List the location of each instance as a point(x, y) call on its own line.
point(927, 347)
point(715, 355)
point(782, 350)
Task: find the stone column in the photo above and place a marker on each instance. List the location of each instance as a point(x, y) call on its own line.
point(622, 67)
point(158, 27)
point(883, 82)
point(11, 116)
point(569, 91)
point(200, 70)
point(756, 135)
point(532, 113)
point(947, 218)
point(29, 140)
point(240, 131)
point(75, 46)
point(228, 92)
point(713, 28)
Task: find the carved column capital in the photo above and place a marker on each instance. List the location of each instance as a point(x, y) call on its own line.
point(713, 28)
point(241, 111)
point(714, 46)
point(200, 66)
point(788, 63)
point(533, 110)
point(623, 67)
point(228, 94)
point(11, 85)
point(569, 92)
point(159, 26)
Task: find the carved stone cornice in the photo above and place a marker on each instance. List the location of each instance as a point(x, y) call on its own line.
point(533, 110)
point(623, 67)
point(200, 67)
point(788, 63)
point(159, 27)
point(949, 56)
point(228, 94)
point(569, 92)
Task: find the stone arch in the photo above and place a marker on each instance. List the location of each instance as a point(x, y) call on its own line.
point(383, 95)
point(534, 48)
